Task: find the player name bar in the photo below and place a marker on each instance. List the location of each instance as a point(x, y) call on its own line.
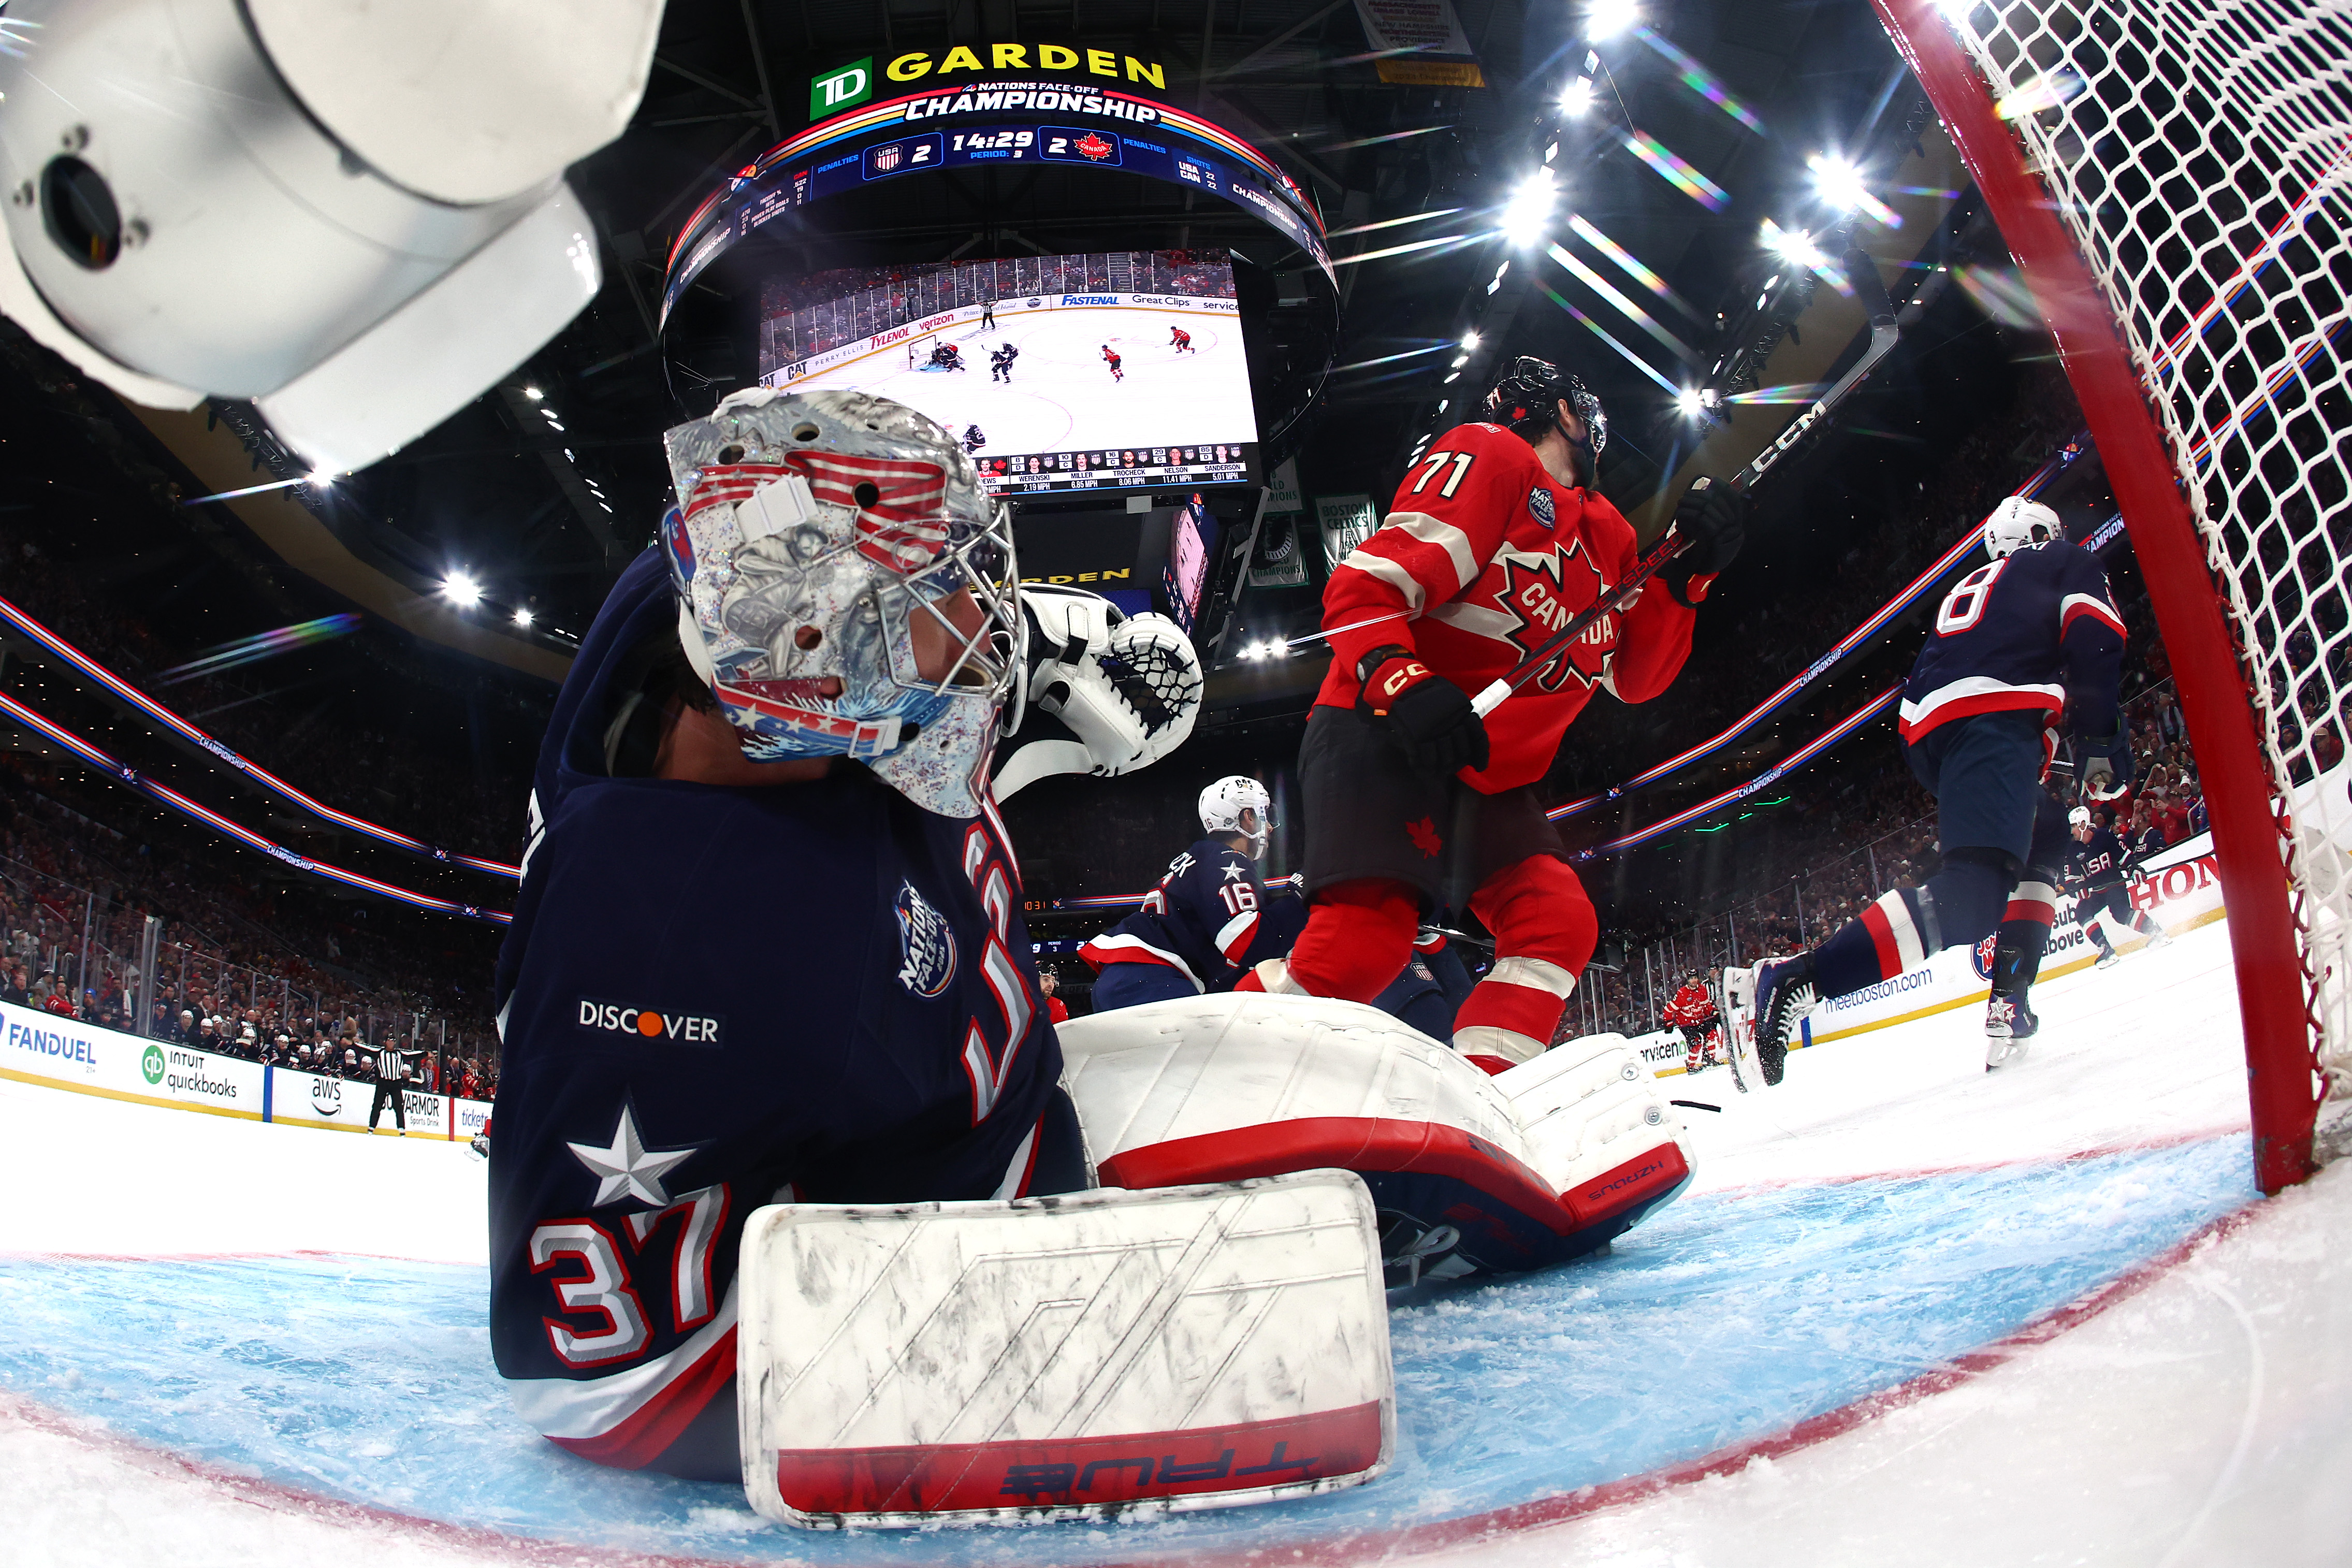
point(1123, 468)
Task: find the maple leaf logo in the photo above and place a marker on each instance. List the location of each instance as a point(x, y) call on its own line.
point(1544, 593)
point(1425, 837)
point(1093, 147)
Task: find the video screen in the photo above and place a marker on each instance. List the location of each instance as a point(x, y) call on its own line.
point(1119, 370)
point(1191, 535)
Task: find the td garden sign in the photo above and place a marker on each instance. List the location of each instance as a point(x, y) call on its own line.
point(922, 112)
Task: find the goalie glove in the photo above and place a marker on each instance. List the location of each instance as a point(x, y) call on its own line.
point(1102, 693)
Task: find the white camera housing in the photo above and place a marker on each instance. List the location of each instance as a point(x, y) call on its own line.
point(353, 215)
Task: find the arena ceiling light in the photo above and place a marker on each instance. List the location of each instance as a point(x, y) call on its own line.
point(1527, 216)
point(1690, 401)
point(1470, 341)
point(1605, 19)
point(1577, 102)
point(320, 479)
point(1839, 184)
point(461, 589)
point(522, 617)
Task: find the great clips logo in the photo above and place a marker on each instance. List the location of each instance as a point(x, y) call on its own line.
point(646, 1024)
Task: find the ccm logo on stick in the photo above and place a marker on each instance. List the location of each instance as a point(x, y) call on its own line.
point(681, 1029)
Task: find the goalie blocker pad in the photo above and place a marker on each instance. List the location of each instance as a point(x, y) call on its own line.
point(1471, 1175)
point(1086, 1355)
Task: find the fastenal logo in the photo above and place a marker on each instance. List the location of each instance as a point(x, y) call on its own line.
point(850, 85)
point(646, 1022)
point(151, 1064)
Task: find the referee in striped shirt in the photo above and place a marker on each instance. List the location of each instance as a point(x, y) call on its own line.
point(391, 1073)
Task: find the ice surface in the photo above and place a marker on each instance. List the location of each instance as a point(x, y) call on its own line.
point(181, 1379)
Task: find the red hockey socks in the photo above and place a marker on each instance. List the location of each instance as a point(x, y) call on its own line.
point(1545, 931)
point(1358, 935)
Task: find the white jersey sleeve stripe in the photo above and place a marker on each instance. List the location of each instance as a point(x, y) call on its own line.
point(2090, 605)
point(1446, 537)
point(1390, 572)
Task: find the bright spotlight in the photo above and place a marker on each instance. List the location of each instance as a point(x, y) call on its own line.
point(522, 617)
point(1604, 19)
point(1527, 214)
point(1470, 341)
point(1577, 102)
point(461, 589)
point(1460, 360)
point(533, 393)
point(1837, 182)
point(320, 479)
point(1792, 245)
point(1689, 401)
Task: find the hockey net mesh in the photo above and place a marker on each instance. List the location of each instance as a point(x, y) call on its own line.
point(2199, 153)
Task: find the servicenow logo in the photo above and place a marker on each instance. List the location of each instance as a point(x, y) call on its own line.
point(646, 1022)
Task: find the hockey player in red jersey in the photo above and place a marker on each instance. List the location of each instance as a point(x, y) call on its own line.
point(1496, 541)
point(1180, 339)
point(1691, 1010)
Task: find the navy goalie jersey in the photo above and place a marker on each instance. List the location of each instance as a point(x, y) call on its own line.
point(2035, 630)
point(717, 998)
point(1200, 921)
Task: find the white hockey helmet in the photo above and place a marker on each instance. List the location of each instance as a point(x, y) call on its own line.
point(2079, 817)
point(812, 532)
point(2018, 522)
point(1223, 803)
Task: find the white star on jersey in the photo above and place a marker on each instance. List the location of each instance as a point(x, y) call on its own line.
point(1233, 873)
point(626, 1168)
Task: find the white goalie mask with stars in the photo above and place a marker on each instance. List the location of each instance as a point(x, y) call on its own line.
point(822, 541)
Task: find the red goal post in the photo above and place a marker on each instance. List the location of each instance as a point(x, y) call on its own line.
point(2170, 177)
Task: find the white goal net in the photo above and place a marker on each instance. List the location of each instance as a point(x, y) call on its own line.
point(2200, 154)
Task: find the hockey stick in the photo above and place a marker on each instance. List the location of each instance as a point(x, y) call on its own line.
point(1883, 335)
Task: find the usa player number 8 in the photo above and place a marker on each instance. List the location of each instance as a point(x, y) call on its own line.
point(1965, 605)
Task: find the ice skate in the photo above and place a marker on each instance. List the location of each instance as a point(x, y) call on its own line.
point(1784, 995)
point(2109, 958)
point(2009, 1024)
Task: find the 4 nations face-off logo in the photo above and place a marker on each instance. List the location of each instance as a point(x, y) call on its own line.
point(1544, 591)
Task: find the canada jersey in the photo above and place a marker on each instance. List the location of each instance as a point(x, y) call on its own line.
point(2099, 863)
point(728, 998)
point(2035, 630)
point(1200, 921)
point(1691, 1005)
point(1483, 557)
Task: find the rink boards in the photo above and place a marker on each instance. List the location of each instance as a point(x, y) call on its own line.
point(66, 1053)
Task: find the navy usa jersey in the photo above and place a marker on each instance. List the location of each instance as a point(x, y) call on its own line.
point(717, 998)
point(2101, 863)
point(1200, 921)
point(2035, 630)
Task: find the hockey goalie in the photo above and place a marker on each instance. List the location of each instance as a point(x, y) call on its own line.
point(788, 1187)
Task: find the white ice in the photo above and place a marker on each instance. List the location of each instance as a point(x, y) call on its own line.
point(2204, 1417)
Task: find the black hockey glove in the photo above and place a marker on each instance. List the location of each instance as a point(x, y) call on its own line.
point(1427, 715)
point(2104, 766)
point(1714, 518)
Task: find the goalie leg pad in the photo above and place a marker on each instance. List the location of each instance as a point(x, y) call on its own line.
point(1095, 1356)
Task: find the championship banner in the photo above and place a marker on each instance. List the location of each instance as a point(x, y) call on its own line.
point(1437, 52)
point(1347, 521)
point(1072, 107)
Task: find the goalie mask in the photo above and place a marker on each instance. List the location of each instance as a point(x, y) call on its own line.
point(1528, 399)
point(1223, 803)
point(822, 548)
point(2018, 522)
